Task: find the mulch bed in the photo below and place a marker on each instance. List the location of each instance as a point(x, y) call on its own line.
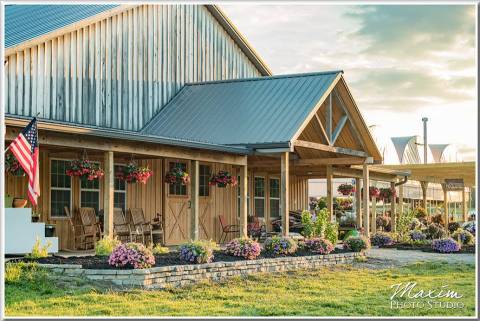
point(168, 259)
point(428, 248)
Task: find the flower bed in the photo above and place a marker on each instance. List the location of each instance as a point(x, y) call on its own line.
point(170, 271)
point(428, 248)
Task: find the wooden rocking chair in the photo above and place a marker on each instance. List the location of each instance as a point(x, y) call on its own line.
point(121, 228)
point(90, 229)
point(140, 225)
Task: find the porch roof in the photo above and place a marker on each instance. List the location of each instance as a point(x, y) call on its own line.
point(245, 112)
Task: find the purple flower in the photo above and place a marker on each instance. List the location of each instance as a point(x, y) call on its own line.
point(134, 255)
point(319, 245)
point(381, 239)
point(446, 245)
point(243, 247)
point(280, 245)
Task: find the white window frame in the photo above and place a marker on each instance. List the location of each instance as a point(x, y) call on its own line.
point(59, 189)
point(255, 198)
point(274, 198)
point(119, 190)
point(81, 189)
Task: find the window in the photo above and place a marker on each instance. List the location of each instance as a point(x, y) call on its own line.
point(90, 193)
point(178, 188)
point(274, 193)
point(120, 191)
point(204, 188)
point(259, 196)
point(60, 188)
point(239, 198)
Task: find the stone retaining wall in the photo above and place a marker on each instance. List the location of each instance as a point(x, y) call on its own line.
point(180, 275)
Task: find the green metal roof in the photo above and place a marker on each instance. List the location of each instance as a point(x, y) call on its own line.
point(246, 112)
point(25, 22)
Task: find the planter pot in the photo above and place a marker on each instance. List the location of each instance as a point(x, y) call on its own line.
point(35, 219)
point(19, 202)
point(49, 230)
point(221, 185)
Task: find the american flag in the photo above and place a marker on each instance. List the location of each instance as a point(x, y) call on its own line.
point(26, 150)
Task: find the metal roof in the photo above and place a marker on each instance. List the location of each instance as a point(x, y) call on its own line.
point(265, 110)
point(25, 22)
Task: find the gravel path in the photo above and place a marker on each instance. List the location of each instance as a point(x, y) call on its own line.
point(385, 258)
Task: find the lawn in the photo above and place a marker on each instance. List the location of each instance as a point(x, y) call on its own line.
point(336, 291)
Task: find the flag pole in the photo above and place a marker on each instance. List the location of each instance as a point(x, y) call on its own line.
point(6, 149)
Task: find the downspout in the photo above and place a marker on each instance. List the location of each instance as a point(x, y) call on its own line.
point(405, 179)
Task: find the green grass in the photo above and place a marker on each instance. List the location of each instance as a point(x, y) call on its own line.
point(338, 291)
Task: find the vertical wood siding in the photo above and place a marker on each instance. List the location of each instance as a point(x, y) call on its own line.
point(120, 71)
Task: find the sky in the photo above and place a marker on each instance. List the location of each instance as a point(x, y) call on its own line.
point(401, 62)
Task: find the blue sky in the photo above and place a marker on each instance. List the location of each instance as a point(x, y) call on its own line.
point(402, 62)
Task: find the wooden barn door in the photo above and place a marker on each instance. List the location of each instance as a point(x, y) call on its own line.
point(206, 215)
point(177, 207)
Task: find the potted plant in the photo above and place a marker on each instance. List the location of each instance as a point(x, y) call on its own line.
point(346, 189)
point(35, 216)
point(132, 173)
point(177, 176)
point(223, 179)
point(12, 166)
point(84, 168)
point(387, 193)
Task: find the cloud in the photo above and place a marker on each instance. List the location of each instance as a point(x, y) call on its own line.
point(401, 62)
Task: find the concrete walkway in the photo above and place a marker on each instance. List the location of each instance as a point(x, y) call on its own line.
point(384, 258)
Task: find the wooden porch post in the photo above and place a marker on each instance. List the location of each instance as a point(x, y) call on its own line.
point(393, 209)
point(445, 204)
point(373, 222)
point(358, 201)
point(424, 195)
point(284, 192)
point(464, 206)
point(194, 204)
point(329, 192)
point(400, 200)
point(243, 200)
point(108, 193)
point(366, 201)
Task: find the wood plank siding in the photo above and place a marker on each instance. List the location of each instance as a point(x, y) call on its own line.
point(120, 71)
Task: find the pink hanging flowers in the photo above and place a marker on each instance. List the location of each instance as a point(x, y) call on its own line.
point(346, 189)
point(85, 169)
point(222, 179)
point(132, 173)
point(12, 166)
point(177, 176)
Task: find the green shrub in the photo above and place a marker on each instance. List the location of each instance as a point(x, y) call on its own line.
point(463, 237)
point(404, 223)
point(39, 251)
point(331, 232)
point(22, 271)
point(158, 249)
point(438, 219)
point(280, 245)
point(106, 245)
point(356, 244)
point(420, 213)
point(198, 251)
point(307, 224)
point(435, 231)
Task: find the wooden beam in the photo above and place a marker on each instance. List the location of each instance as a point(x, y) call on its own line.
point(243, 200)
point(331, 149)
point(445, 205)
point(424, 194)
point(358, 202)
point(324, 132)
point(464, 206)
point(329, 161)
point(329, 118)
point(354, 127)
point(338, 129)
point(393, 209)
point(373, 222)
point(330, 192)
point(194, 200)
point(108, 194)
point(366, 201)
point(400, 200)
point(79, 141)
point(356, 173)
point(284, 193)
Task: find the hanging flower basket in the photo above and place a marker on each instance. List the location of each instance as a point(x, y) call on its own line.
point(346, 189)
point(223, 179)
point(387, 193)
point(132, 173)
point(374, 192)
point(12, 166)
point(177, 176)
point(84, 168)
